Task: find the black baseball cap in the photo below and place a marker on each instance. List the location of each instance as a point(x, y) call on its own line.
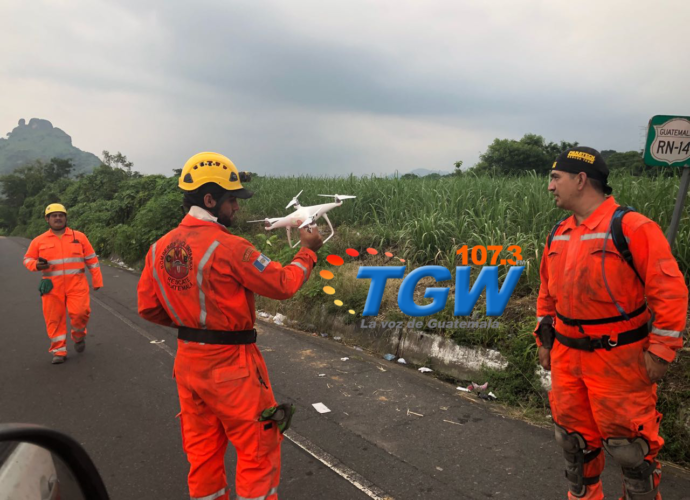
point(587, 160)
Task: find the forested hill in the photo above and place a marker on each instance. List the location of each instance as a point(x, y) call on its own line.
point(39, 140)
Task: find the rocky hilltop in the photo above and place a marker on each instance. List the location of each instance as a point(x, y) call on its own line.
point(39, 140)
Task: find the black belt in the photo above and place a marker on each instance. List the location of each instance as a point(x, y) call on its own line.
point(222, 337)
point(601, 321)
point(604, 342)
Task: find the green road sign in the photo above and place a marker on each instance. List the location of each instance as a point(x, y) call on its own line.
point(668, 141)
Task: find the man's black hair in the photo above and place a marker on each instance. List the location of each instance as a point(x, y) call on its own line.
point(597, 185)
point(196, 197)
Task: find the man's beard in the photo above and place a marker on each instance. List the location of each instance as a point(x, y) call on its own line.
point(226, 221)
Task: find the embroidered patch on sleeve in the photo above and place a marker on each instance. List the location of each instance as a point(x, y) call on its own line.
point(247, 254)
point(261, 262)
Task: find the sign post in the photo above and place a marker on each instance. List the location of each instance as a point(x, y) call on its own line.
point(668, 145)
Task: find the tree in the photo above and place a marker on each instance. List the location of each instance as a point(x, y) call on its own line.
point(118, 160)
point(458, 167)
point(607, 152)
point(630, 162)
point(57, 169)
point(511, 157)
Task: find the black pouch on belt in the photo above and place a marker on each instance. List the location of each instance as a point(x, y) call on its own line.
point(546, 332)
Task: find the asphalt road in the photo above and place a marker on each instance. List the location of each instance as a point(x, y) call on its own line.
point(392, 432)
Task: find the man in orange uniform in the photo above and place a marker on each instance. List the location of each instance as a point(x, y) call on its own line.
point(61, 254)
point(605, 362)
point(201, 279)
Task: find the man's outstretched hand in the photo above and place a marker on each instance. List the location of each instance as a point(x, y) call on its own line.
point(311, 239)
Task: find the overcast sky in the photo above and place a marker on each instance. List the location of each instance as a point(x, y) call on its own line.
point(335, 87)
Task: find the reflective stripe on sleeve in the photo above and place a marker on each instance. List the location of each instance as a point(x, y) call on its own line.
point(199, 279)
point(93, 266)
point(213, 496)
point(160, 285)
point(562, 237)
point(306, 273)
point(666, 333)
point(273, 491)
point(29, 259)
point(90, 256)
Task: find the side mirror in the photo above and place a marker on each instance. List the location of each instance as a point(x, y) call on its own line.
point(40, 463)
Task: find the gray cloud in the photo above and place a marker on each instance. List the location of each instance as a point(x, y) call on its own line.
point(338, 87)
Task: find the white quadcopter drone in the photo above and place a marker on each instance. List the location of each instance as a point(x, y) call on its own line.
point(308, 216)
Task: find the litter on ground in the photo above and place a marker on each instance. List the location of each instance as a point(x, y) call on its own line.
point(337, 338)
point(321, 408)
point(344, 359)
point(322, 374)
point(451, 422)
point(476, 387)
point(402, 361)
point(424, 369)
point(279, 319)
point(389, 357)
point(157, 341)
point(324, 335)
point(463, 389)
point(413, 413)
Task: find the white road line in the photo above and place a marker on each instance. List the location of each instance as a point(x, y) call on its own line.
point(134, 327)
point(359, 482)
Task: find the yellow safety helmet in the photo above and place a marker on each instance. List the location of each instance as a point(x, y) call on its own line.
point(55, 207)
point(203, 168)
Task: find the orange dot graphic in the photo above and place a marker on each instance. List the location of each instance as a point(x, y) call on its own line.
point(352, 252)
point(327, 275)
point(402, 260)
point(329, 290)
point(388, 254)
point(371, 251)
point(338, 302)
point(335, 260)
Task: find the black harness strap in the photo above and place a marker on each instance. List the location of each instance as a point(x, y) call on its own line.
point(604, 342)
point(601, 321)
point(217, 337)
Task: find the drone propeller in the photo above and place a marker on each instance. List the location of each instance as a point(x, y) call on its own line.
point(294, 201)
point(267, 222)
point(338, 197)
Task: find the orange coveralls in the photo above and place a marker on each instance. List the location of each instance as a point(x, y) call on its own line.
point(67, 256)
point(607, 393)
point(201, 276)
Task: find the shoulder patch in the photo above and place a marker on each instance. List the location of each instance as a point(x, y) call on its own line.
point(247, 254)
point(261, 262)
